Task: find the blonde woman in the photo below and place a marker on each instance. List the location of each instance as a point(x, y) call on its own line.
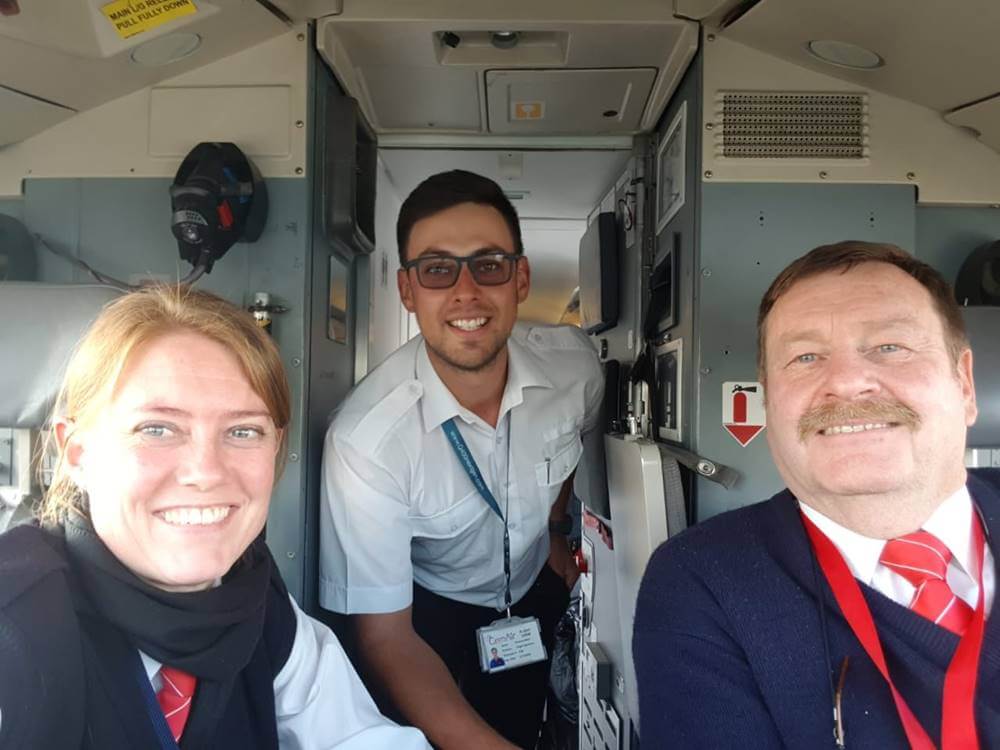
point(143, 610)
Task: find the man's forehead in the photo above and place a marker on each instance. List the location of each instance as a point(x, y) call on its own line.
point(870, 296)
point(873, 283)
point(462, 229)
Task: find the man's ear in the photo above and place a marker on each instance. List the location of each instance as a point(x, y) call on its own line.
point(405, 289)
point(523, 279)
point(968, 386)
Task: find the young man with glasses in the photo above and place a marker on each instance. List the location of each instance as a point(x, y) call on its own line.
point(446, 477)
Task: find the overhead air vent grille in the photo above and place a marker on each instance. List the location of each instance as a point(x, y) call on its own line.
point(781, 125)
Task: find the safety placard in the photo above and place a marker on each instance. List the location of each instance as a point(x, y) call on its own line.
point(527, 110)
point(743, 413)
point(131, 17)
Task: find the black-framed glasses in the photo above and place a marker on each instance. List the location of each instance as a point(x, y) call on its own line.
point(442, 271)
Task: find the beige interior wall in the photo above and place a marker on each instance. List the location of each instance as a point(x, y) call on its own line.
point(256, 98)
point(909, 143)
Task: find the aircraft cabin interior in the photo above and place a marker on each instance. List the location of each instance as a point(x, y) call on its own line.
point(666, 159)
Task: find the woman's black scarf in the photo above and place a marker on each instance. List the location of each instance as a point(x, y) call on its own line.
point(211, 634)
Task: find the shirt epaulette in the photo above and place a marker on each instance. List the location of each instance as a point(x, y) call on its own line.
point(564, 337)
point(369, 432)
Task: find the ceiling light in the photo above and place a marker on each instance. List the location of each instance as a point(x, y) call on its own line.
point(844, 54)
point(503, 39)
point(166, 49)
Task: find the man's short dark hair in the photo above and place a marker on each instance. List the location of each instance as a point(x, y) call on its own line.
point(446, 189)
point(844, 256)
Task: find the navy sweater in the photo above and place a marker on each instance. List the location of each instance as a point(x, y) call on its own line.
point(728, 644)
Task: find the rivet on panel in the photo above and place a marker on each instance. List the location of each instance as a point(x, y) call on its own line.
point(299, 124)
point(710, 38)
point(301, 37)
point(706, 272)
point(708, 174)
point(293, 457)
point(911, 175)
point(299, 170)
point(296, 362)
point(709, 125)
point(823, 175)
point(705, 370)
point(291, 555)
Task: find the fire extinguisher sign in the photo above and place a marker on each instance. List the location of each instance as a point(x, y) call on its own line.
point(743, 410)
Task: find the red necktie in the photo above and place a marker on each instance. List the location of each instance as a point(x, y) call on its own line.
point(175, 698)
point(922, 559)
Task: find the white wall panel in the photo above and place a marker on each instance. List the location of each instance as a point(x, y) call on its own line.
point(388, 318)
point(120, 139)
point(909, 143)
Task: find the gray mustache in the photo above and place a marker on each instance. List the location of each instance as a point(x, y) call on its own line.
point(881, 410)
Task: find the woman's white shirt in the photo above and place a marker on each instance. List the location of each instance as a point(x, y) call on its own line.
point(319, 700)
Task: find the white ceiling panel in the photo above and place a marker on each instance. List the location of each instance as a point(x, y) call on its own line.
point(393, 58)
point(940, 55)
point(983, 118)
point(68, 52)
point(571, 102)
point(25, 115)
point(432, 99)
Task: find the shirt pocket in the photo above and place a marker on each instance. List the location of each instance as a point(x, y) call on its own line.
point(565, 455)
point(451, 521)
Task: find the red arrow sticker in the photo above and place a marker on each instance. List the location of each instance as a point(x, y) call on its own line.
point(743, 414)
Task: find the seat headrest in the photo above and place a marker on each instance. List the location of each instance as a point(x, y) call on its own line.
point(40, 324)
point(983, 325)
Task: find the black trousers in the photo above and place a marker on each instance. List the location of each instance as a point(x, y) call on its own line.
point(511, 701)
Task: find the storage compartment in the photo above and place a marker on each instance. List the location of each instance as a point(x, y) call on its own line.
point(350, 155)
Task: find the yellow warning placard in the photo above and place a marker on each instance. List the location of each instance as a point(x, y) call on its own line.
point(131, 17)
point(527, 110)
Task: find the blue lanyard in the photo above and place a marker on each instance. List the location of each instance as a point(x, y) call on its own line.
point(469, 464)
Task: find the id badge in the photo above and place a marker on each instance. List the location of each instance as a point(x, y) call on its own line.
point(510, 643)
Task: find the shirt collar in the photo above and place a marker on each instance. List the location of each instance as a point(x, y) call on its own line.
point(438, 404)
point(951, 522)
point(151, 665)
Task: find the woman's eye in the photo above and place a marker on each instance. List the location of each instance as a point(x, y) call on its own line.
point(246, 433)
point(154, 430)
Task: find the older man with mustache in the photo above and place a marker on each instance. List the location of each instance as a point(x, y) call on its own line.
point(851, 609)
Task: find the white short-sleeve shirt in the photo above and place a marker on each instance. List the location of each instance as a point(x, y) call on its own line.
point(398, 507)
